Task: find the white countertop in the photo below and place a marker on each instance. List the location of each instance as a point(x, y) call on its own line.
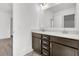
point(60, 34)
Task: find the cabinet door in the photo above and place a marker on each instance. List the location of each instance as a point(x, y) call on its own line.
point(36, 44)
point(51, 49)
point(61, 50)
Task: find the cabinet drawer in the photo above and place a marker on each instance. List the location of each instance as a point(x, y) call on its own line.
point(45, 37)
point(45, 46)
point(36, 35)
point(45, 52)
point(65, 41)
point(61, 50)
point(45, 42)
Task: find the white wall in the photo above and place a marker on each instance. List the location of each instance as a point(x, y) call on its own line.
point(24, 19)
point(59, 17)
point(5, 17)
point(4, 25)
point(77, 16)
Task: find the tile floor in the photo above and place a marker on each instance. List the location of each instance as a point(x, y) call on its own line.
point(33, 53)
point(6, 47)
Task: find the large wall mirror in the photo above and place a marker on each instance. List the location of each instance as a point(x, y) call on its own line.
point(69, 21)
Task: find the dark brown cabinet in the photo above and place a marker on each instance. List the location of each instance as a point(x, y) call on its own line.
point(61, 50)
point(54, 46)
point(51, 49)
point(60, 46)
point(45, 45)
point(36, 43)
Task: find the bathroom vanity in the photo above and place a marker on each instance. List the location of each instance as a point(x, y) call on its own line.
point(50, 43)
point(53, 44)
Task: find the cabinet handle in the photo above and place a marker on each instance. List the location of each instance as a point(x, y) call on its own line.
point(40, 41)
point(44, 37)
point(45, 47)
point(50, 45)
point(45, 54)
point(45, 42)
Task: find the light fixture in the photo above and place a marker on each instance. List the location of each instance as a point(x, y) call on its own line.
point(43, 5)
